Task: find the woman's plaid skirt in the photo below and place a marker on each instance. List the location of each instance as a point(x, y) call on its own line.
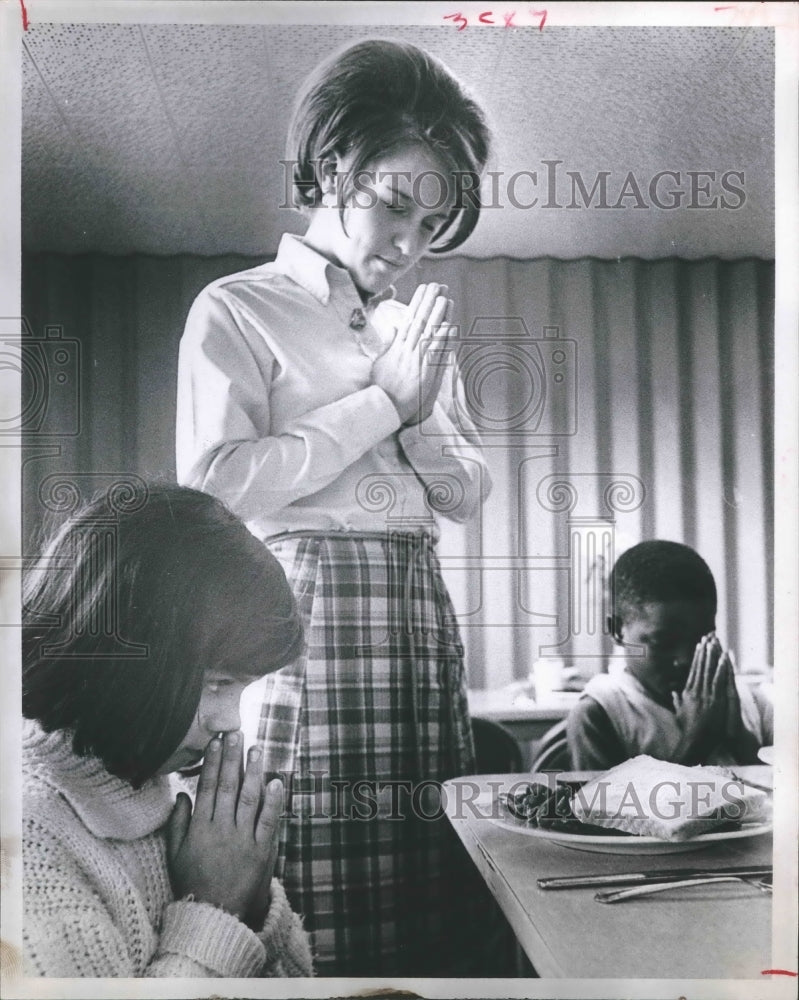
point(362, 728)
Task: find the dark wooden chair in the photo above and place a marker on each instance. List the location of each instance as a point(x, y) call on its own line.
point(496, 750)
point(552, 752)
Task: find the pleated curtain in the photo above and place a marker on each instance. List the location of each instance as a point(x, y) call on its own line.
point(618, 400)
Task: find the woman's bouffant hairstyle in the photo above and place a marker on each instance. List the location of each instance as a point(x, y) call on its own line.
point(374, 98)
point(133, 600)
point(658, 570)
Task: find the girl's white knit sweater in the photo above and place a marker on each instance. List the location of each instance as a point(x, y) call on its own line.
point(97, 897)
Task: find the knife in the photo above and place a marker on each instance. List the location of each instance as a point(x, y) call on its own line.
point(753, 784)
point(641, 878)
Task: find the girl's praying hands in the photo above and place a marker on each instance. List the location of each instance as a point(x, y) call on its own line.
point(406, 371)
point(224, 851)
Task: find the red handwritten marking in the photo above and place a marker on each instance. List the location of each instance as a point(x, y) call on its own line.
point(778, 972)
point(458, 18)
point(487, 17)
point(24, 15)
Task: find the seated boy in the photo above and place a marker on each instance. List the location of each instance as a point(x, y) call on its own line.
point(677, 698)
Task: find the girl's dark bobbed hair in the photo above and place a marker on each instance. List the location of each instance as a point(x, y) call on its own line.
point(375, 97)
point(137, 595)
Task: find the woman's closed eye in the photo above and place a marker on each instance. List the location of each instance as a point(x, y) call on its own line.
point(430, 224)
point(394, 208)
point(216, 684)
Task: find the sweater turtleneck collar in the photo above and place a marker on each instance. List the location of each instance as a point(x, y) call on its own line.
point(108, 806)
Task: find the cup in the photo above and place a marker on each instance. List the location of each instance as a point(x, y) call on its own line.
point(547, 678)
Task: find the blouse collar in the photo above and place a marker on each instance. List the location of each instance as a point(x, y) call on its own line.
point(319, 276)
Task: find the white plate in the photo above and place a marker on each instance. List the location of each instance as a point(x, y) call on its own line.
point(629, 845)
point(766, 754)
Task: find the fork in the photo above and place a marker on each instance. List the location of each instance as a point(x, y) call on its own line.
point(617, 895)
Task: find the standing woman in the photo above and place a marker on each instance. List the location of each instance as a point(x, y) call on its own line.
point(310, 402)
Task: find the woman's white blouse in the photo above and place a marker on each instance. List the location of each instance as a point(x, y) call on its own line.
point(277, 414)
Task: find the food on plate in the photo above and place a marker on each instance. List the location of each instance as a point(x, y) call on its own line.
point(548, 808)
point(652, 798)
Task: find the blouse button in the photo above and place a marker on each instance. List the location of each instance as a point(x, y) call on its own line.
point(357, 319)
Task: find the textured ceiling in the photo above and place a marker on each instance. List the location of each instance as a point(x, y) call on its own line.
point(167, 138)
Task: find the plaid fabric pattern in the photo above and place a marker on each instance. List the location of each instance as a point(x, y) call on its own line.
point(365, 723)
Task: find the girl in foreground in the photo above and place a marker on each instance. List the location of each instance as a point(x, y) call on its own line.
point(308, 400)
point(142, 625)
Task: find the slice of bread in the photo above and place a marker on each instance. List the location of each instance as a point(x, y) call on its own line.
point(653, 798)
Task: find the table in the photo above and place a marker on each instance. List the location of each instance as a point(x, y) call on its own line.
point(705, 932)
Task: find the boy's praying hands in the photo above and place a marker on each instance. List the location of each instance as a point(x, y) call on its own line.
point(708, 707)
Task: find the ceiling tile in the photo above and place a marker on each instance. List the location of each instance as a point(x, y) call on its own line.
point(167, 138)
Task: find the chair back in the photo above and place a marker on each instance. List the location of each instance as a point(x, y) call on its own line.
point(552, 753)
point(496, 749)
